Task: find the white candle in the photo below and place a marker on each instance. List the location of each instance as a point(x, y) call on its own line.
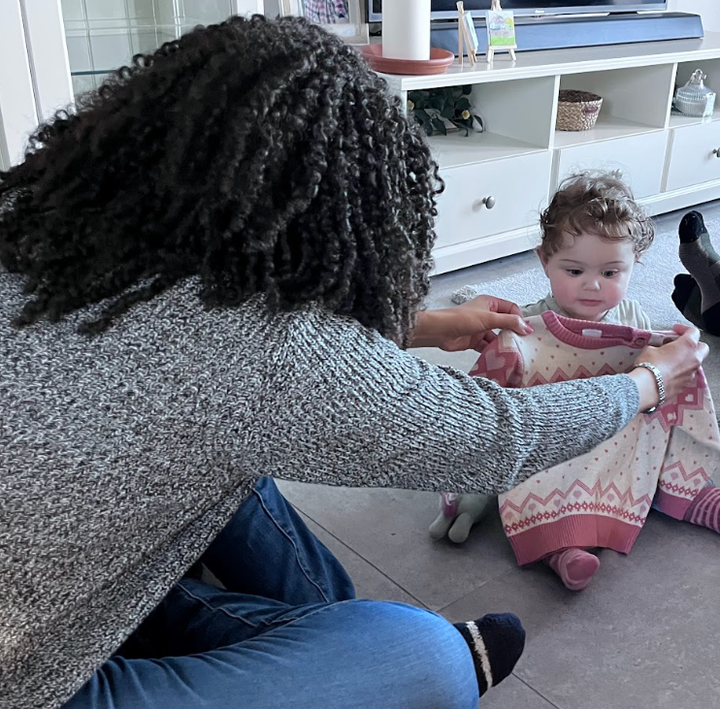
point(406, 29)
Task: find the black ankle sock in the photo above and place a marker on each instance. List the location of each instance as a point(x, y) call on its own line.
point(702, 261)
point(692, 228)
point(687, 298)
point(496, 642)
point(711, 320)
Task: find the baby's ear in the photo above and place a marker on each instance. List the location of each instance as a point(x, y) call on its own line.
point(543, 258)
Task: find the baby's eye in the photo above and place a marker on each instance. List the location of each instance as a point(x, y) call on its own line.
point(610, 274)
point(574, 271)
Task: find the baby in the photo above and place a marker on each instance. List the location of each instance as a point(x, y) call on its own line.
point(593, 233)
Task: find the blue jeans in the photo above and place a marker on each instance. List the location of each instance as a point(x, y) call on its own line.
point(288, 631)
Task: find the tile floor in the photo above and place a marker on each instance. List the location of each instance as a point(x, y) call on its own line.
point(644, 635)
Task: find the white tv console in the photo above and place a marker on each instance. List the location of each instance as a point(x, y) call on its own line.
point(671, 161)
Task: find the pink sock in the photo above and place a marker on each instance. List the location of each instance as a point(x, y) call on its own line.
point(574, 566)
point(705, 509)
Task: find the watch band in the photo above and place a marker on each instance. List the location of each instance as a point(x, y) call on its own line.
point(658, 380)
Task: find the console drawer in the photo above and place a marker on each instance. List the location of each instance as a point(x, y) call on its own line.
point(492, 197)
point(694, 155)
point(639, 159)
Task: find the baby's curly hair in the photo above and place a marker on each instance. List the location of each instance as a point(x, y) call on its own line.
point(597, 203)
point(262, 156)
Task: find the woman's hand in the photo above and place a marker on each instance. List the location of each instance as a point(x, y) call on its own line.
point(677, 361)
point(468, 326)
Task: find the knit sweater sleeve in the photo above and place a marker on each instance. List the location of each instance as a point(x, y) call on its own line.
point(373, 415)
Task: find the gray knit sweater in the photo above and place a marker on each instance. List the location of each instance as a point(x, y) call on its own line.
point(122, 456)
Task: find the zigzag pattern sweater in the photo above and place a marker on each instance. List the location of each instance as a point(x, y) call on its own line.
point(602, 498)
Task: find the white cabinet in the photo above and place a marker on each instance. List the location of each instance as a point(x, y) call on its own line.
point(670, 161)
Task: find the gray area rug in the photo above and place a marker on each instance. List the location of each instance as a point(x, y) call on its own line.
point(651, 285)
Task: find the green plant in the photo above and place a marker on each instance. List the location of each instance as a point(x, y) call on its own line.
point(451, 103)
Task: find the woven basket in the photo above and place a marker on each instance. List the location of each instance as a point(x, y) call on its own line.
point(577, 110)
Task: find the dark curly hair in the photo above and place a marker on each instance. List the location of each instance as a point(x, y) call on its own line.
point(262, 156)
point(595, 202)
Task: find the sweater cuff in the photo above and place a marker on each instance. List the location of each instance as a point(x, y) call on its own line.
point(633, 396)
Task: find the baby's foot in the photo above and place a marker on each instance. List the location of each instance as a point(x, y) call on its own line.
point(574, 566)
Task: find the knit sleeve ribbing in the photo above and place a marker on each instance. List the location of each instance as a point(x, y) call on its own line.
point(373, 415)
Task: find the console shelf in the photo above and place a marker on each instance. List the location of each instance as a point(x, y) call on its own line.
point(607, 128)
point(456, 149)
point(677, 120)
point(671, 161)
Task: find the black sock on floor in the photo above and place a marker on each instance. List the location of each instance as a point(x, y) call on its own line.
point(711, 320)
point(687, 298)
point(496, 642)
point(692, 228)
point(701, 260)
point(697, 296)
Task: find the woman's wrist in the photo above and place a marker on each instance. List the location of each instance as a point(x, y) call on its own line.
point(647, 387)
point(428, 330)
point(659, 383)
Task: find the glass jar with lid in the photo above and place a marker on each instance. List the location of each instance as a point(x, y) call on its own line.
point(695, 99)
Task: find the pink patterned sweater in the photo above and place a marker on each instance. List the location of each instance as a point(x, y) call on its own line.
point(602, 499)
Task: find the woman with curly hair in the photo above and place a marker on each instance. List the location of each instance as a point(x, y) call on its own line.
point(210, 272)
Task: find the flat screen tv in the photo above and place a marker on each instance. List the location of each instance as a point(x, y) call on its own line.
point(447, 10)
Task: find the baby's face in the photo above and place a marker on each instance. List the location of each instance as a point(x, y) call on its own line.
point(589, 276)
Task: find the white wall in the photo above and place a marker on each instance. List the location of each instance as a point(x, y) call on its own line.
point(709, 9)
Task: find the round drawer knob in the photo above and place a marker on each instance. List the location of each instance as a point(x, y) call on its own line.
point(716, 152)
point(489, 202)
